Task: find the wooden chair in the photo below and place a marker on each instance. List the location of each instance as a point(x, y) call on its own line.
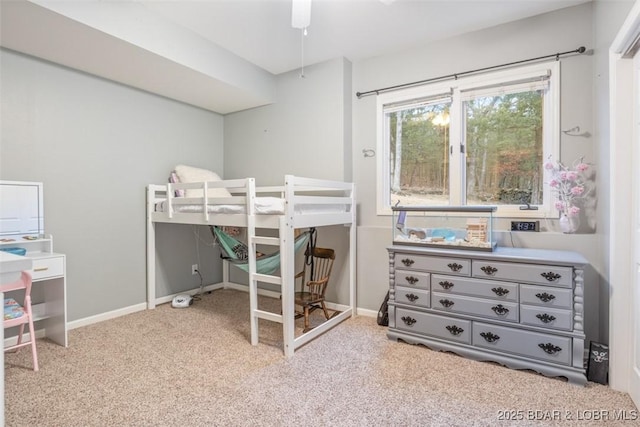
point(16, 314)
point(314, 283)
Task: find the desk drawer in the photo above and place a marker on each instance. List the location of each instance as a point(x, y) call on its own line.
point(44, 268)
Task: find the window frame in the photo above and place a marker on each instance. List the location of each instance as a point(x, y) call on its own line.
point(457, 159)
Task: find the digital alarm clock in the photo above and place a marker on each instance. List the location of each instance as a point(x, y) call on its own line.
point(525, 225)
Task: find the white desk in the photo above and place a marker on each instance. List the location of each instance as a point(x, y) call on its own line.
point(48, 272)
point(11, 265)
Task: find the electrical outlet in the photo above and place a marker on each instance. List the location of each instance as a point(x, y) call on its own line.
point(194, 269)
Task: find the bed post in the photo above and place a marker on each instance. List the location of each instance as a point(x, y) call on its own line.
point(225, 272)
point(251, 243)
point(287, 270)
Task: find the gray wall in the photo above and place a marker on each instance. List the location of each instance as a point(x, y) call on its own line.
point(96, 145)
point(306, 133)
point(302, 133)
point(546, 34)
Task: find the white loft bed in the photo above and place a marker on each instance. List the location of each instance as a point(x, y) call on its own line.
point(300, 203)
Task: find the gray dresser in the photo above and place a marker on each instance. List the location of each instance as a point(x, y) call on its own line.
point(523, 308)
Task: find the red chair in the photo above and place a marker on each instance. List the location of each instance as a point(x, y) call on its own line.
point(16, 314)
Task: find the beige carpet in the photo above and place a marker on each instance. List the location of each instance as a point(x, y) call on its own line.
point(196, 367)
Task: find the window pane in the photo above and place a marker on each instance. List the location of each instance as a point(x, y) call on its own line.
point(504, 149)
point(419, 154)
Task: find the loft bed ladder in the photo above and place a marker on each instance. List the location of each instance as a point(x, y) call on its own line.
point(285, 244)
point(286, 281)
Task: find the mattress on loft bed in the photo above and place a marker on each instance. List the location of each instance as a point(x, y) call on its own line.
point(263, 206)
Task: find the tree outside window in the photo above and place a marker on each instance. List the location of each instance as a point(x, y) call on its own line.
point(482, 142)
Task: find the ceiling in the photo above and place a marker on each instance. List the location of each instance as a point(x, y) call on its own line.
point(260, 30)
point(223, 55)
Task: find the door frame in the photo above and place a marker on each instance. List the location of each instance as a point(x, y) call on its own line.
point(622, 191)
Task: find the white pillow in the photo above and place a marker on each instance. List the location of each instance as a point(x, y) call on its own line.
point(191, 174)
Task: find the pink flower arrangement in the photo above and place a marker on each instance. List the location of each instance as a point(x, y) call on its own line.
point(569, 184)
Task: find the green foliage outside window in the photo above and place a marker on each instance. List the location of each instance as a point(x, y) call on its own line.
point(502, 137)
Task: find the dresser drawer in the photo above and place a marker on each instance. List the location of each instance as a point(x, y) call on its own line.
point(498, 310)
point(46, 267)
point(527, 273)
point(546, 317)
point(412, 279)
point(458, 266)
point(448, 328)
point(502, 291)
point(412, 296)
point(546, 296)
point(526, 343)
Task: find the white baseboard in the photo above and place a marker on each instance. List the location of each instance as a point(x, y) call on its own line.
point(212, 287)
point(206, 288)
point(366, 312)
point(11, 341)
point(106, 316)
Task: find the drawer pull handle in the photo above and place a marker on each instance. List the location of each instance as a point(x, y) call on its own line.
point(500, 291)
point(409, 321)
point(500, 310)
point(545, 297)
point(454, 330)
point(446, 303)
point(412, 297)
point(455, 266)
point(408, 262)
point(40, 269)
point(549, 348)
point(489, 337)
point(546, 318)
point(412, 280)
point(551, 276)
point(488, 270)
point(446, 284)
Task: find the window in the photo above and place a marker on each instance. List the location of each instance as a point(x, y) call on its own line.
point(479, 140)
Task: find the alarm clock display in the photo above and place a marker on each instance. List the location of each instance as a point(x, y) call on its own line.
point(525, 225)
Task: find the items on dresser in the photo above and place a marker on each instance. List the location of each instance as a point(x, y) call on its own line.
point(445, 227)
point(523, 308)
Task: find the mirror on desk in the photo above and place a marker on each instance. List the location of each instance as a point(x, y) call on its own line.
point(21, 209)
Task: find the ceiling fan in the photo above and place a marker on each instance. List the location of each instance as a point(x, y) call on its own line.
point(301, 12)
point(301, 19)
